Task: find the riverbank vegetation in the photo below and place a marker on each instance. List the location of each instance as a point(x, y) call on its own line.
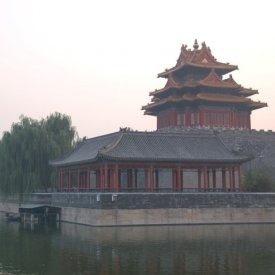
point(25, 152)
point(260, 180)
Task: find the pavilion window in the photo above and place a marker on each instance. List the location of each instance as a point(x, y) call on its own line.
point(140, 184)
point(82, 180)
point(190, 179)
point(179, 122)
point(219, 179)
point(65, 179)
point(213, 119)
point(226, 119)
point(220, 119)
point(243, 119)
point(171, 120)
point(123, 179)
point(194, 119)
point(74, 180)
point(181, 119)
point(207, 118)
point(165, 179)
point(93, 178)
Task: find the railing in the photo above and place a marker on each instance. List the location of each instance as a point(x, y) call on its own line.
point(144, 190)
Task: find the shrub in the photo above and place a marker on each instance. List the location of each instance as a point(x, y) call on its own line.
point(258, 181)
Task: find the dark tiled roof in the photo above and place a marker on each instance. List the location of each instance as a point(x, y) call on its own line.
point(152, 146)
point(87, 151)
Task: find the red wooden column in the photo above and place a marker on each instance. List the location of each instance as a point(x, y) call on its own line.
point(205, 178)
point(224, 179)
point(61, 180)
point(69, 180)
point(235, 119)
point(110, 178)
point(179, 179)
point(232, 119)
point(97, 179)
point(188, 118)
point(129, 179)
point(231, 179)
point(88, 179)
point(135, 178)
point(116, 179)
point(240, 178)
point(214, 178)
point(78, 179)
point(201, 120)
point(146, 179)
point(174, 118)
point(157, 179)
point(119, 178)
point(208, 179)
point(101, 177)
point(174, 179)
point(151, 176)
point(199, 179)
point(105, 178)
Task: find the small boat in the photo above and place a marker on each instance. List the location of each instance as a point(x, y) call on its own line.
point(13, 217)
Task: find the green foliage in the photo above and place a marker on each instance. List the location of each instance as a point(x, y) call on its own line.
point(258, 181)
point(25, 152)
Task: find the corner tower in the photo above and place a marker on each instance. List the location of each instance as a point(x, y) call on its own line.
point(198, 94)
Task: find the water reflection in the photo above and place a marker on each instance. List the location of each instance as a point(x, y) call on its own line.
point(74, 249)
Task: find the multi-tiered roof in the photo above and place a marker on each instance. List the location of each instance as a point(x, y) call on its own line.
point(197, 82)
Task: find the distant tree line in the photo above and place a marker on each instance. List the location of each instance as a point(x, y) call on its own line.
point(26, 149)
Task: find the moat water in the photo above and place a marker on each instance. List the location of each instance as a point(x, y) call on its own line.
point(75, 249)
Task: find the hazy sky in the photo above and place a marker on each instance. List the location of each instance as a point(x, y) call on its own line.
point(97, 61)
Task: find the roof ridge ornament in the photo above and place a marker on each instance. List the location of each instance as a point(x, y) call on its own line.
point(196, 45)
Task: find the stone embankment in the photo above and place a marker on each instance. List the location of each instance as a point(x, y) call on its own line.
point(120, 209)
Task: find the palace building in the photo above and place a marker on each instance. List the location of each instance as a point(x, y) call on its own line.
point(197, 94)
point(180, 155)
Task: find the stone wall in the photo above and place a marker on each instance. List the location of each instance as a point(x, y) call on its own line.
point(164, 209)
point(163, 200)
point(258, 144)
point(168, 216)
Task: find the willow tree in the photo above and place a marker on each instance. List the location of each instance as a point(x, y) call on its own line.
point(25, 152)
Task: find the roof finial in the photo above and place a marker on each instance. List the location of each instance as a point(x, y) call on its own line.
point(196, 45)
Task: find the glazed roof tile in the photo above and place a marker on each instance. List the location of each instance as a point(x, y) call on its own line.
point(200, 58)
point(211, 80)
point(257, 105)
point(248, 92)
point(206, 97)
point(151, 146)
